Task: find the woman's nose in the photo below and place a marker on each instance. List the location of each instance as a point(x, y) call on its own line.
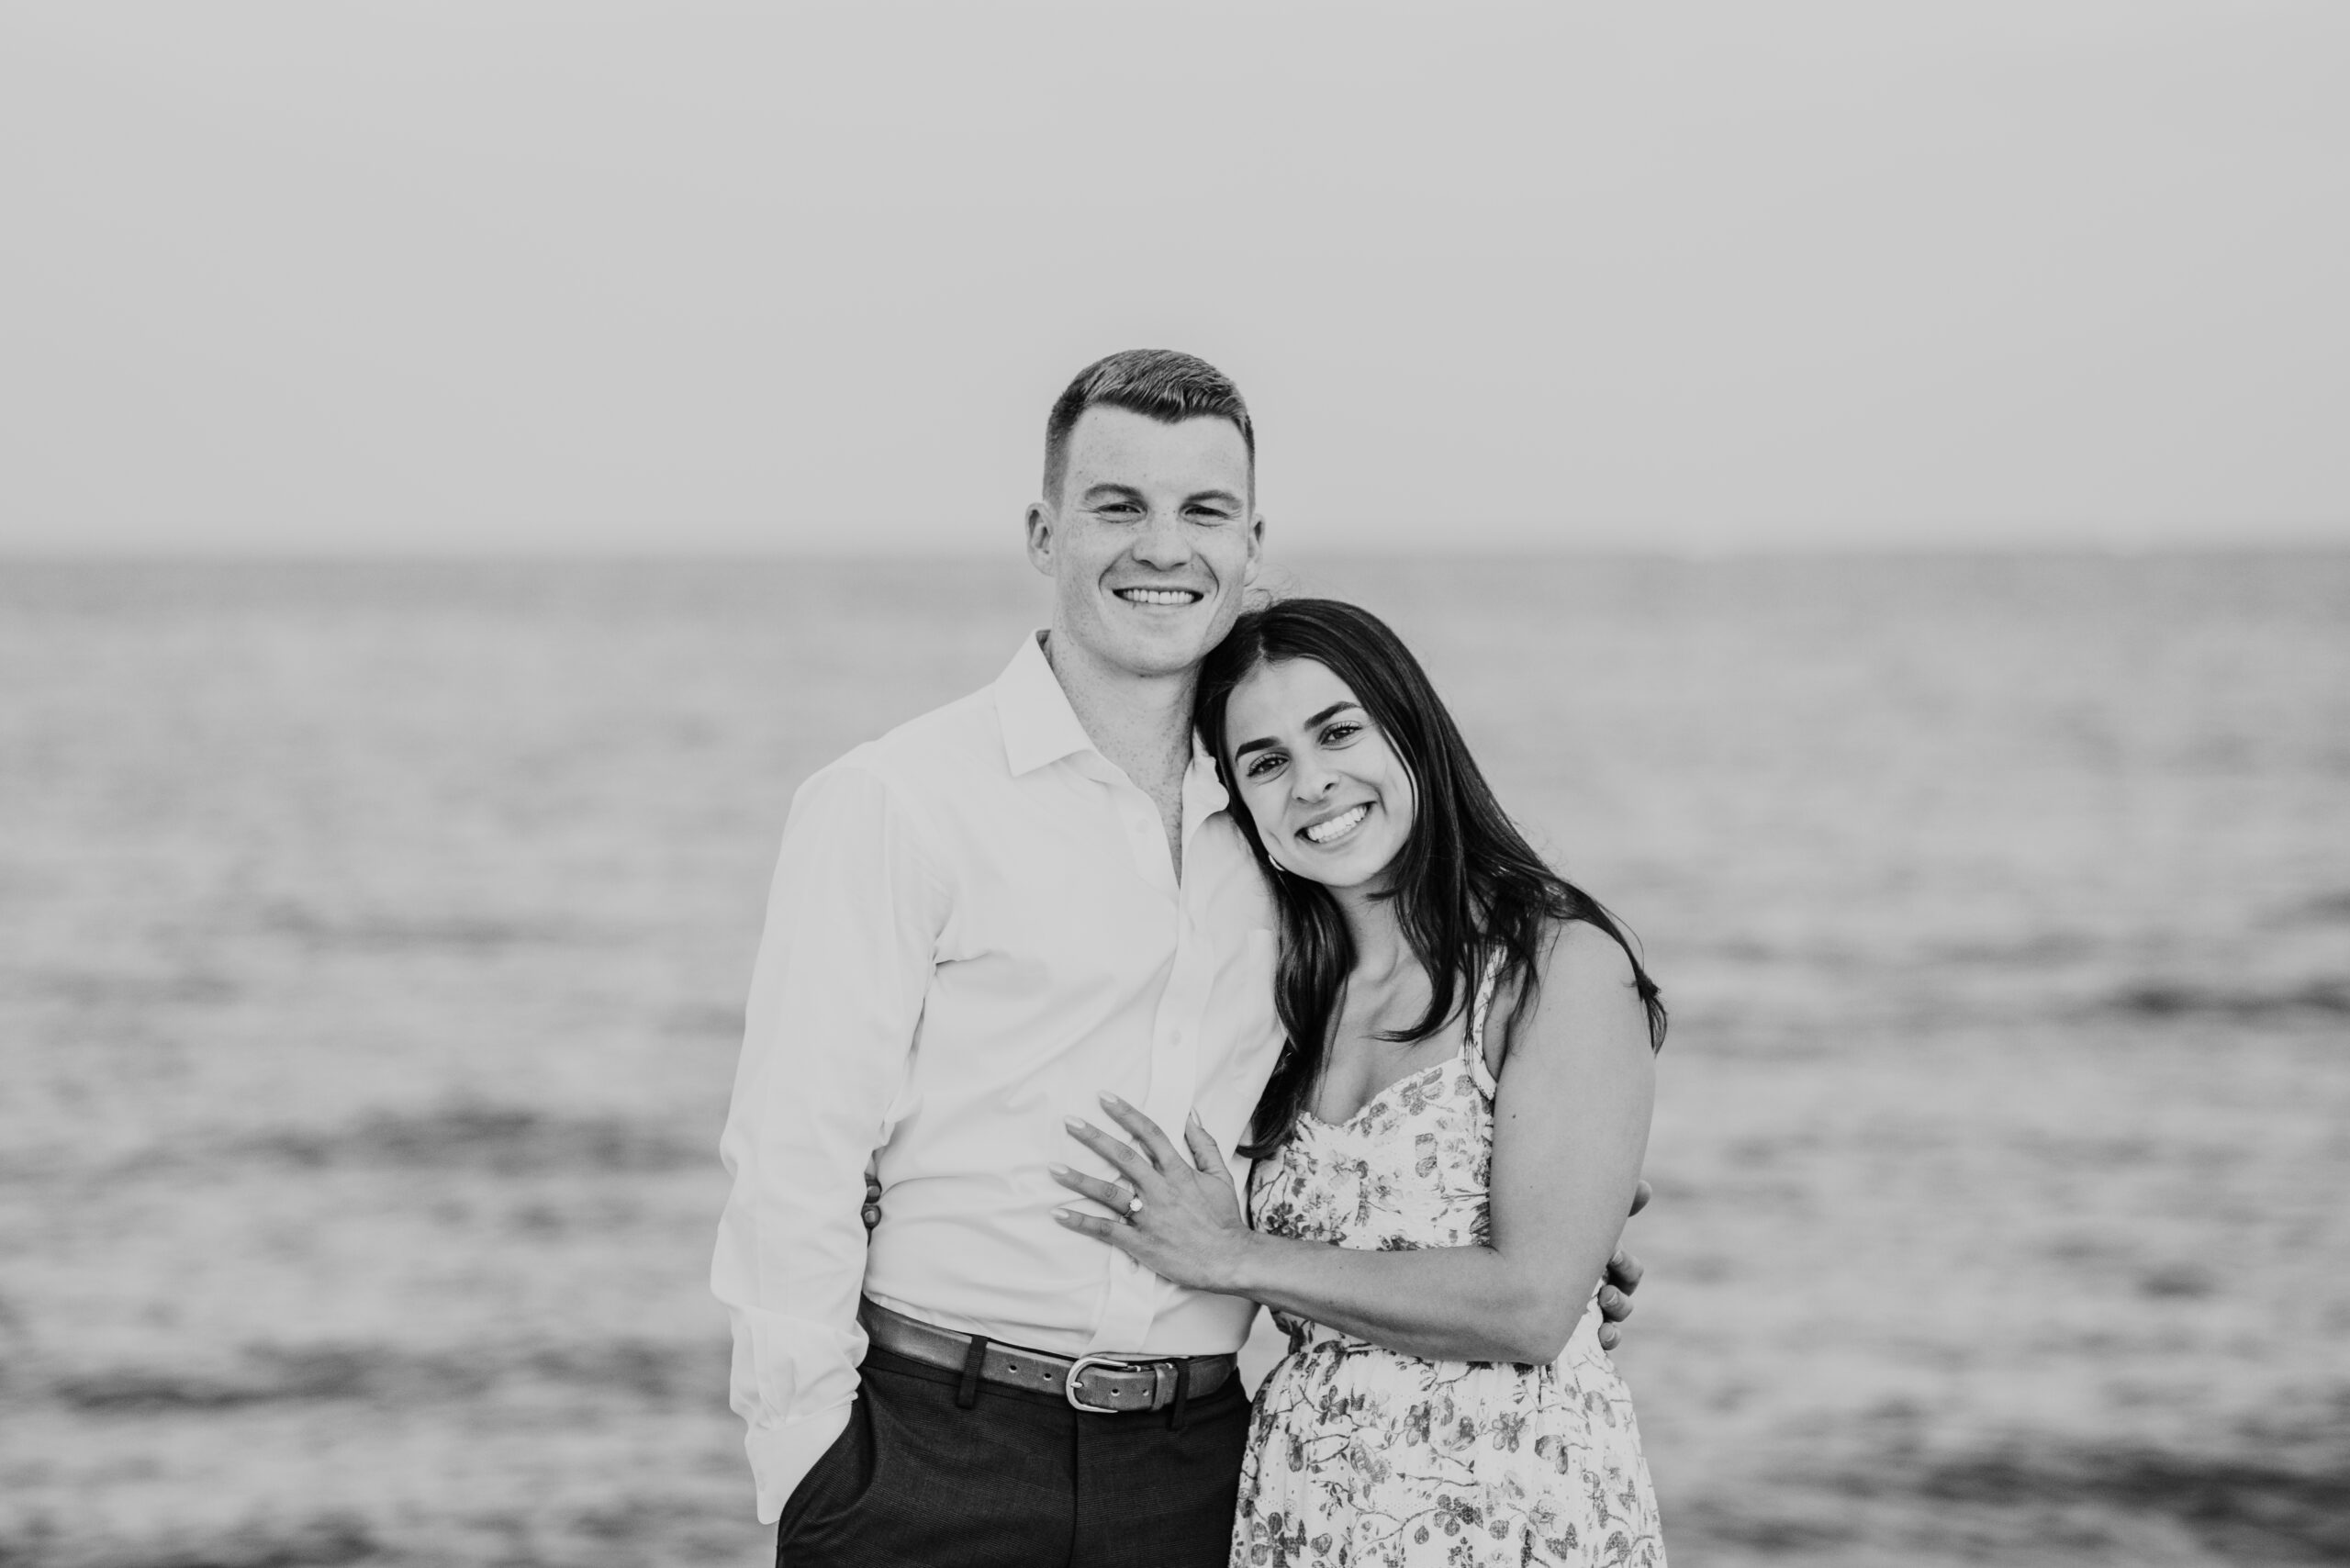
point(1309, 782)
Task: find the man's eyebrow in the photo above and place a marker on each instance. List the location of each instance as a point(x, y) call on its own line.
point(1226, 496)
point(1332, 712)
point(1107, 489)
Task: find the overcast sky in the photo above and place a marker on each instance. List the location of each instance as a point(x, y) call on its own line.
point(525, 277)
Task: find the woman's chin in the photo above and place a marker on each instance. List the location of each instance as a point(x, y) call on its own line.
point(1340, 873)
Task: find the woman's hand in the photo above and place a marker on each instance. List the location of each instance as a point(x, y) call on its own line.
point(1188, 1228)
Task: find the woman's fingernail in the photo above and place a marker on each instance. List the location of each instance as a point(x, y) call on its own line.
point(1110, 1099)
point(1057, 1170)
point(1072, 1123)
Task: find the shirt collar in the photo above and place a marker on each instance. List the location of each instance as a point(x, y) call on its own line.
point(1203, 791)
point(1039, 726)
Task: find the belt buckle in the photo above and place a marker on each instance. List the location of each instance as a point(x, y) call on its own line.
point(1078, 1369)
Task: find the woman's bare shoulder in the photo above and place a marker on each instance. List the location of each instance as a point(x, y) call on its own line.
point(1585, 982)
point(1581, 954)
point(1581, 972)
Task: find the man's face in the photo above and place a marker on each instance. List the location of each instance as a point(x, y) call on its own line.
point(1151, 539)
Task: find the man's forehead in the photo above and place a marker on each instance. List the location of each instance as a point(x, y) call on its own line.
point(1106, 438)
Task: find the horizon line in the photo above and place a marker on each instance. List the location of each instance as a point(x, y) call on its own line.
point(973, 554)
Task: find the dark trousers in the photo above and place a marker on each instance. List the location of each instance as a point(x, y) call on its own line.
point(1017, 1479)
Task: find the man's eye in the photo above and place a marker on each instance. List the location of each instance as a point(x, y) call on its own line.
point(1210, 514)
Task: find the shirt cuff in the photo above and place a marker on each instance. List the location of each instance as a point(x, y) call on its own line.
point(781, 1456)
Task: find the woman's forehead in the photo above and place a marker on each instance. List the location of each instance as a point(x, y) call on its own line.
point(1285, 693)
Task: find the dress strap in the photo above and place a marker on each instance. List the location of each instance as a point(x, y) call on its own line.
point(1478, 1010)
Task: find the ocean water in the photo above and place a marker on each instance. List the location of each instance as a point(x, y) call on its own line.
point(373, 940)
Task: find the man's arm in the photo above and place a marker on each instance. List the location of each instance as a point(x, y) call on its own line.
point(851, 920)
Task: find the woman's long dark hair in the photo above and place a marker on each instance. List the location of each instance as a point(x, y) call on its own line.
point(1466, 883)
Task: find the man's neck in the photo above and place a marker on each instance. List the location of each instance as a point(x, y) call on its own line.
point(1142, 723)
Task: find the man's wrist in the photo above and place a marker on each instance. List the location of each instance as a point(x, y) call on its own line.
point(781, 1456)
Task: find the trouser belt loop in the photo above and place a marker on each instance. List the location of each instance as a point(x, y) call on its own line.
point(1182, 1395)
point(967, 1393)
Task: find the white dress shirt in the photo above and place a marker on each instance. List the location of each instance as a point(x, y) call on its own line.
point(974, 929)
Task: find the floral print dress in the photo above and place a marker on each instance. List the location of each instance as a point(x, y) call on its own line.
point(1361, 1456)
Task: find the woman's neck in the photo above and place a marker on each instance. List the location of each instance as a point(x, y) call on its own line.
point(1380, 948)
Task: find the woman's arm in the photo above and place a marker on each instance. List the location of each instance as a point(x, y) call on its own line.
point(1570, 1127)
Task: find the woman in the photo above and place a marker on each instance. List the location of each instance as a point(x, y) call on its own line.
point(1445, 1154)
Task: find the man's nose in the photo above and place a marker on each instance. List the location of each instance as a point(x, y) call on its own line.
point(1164, 543)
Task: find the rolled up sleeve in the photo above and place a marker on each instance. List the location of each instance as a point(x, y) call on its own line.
point(845, 961)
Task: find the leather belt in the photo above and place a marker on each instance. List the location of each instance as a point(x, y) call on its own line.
point(1104, 1385)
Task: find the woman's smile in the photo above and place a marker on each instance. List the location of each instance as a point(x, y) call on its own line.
point(1332, 829)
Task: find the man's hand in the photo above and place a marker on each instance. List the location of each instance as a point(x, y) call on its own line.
point(1624, 1272)
point(871, 1213)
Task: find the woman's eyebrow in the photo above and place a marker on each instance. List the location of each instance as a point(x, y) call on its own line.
point(1333, 711)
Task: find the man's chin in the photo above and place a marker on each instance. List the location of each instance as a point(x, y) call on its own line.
point(1152, 643)
point(1176, 651)
point(1161, 638)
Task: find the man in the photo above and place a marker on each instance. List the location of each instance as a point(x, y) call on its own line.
point(978, 924)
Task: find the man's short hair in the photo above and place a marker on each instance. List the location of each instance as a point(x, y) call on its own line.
point(1158, 383)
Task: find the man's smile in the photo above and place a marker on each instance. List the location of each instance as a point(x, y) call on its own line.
point(1160, 596)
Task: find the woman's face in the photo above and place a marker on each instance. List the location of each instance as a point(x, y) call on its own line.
point(1331, 799)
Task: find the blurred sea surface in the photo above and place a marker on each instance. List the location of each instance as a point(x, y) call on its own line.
point(373, 941)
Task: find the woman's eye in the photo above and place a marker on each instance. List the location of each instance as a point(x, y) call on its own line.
point(1265, 763)
point(1339, 733)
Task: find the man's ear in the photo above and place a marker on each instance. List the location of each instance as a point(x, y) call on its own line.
point(1256, 549)
point(1040, 523)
